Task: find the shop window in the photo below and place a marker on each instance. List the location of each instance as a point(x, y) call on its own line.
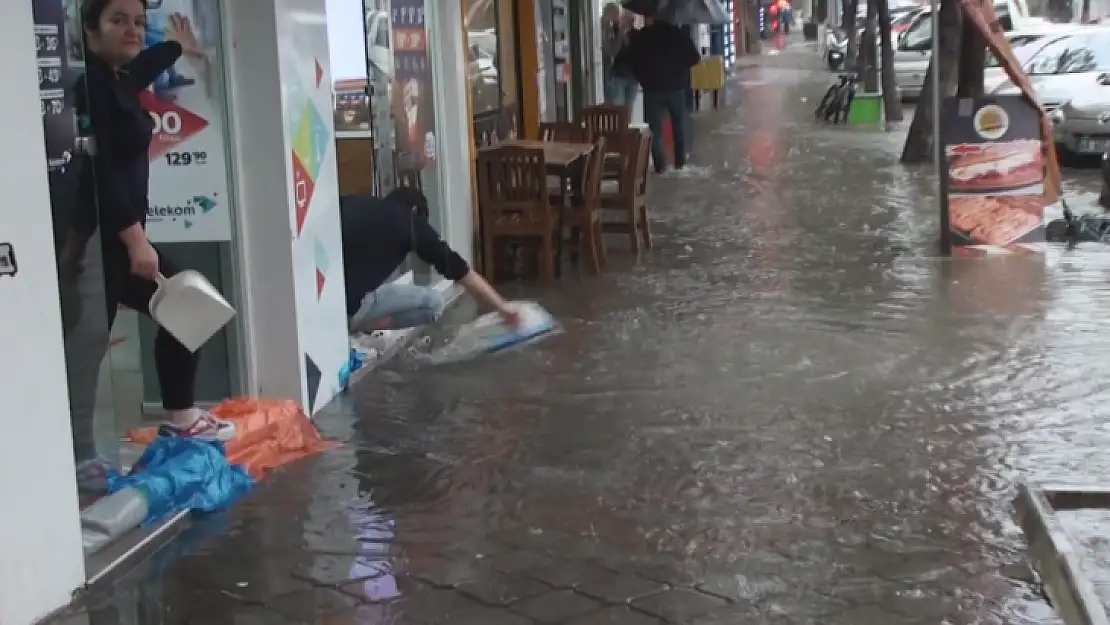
point(109, 342)
point(493, 69)
point(508, 68)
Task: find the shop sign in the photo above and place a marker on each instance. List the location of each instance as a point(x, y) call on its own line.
point(994, 174)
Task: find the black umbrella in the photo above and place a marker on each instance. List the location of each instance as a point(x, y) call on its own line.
point(680, 11)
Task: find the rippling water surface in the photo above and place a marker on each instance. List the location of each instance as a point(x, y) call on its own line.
point(787, 396)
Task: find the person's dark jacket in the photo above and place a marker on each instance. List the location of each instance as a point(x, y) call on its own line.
point(660, 56)
point(108, 107)
point(378, 234)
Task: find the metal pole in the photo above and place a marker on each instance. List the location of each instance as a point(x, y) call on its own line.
point(938, 146)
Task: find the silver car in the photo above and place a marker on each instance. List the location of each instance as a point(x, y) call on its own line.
point(1070, 78)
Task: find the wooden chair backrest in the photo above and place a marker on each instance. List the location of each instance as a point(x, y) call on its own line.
point(595, 172)
point(568, 132)
point(641, 162)
point(513, 180)
point(604, 118)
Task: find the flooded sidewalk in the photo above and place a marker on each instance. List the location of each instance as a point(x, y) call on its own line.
point(784, 413)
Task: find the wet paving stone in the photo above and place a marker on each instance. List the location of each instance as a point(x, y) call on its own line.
point(555, 606)
point(678, 605)
point(311, 605)
point(249, 580)
point(615, 587)
point(569, 575)
point(616, 615)
point(669, 575)
point(443, 573)
point(427, 607)
point(496, 589)
point(518, 561)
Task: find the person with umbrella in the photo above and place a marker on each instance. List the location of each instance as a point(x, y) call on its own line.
point(661, 56)
point(620, 85)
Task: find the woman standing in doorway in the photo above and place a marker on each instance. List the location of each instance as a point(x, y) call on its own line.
point(113, 197)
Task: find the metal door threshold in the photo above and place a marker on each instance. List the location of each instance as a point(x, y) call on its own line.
point(117, 558)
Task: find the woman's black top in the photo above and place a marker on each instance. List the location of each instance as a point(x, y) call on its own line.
point(109, 110)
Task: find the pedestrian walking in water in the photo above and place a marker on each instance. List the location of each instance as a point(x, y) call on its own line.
point(661, 56)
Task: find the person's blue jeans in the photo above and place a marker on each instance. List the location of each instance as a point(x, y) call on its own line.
point(621, 90)
point(657, 106)
point(396, 306)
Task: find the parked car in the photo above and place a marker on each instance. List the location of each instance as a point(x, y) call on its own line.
point(915, 44)
point(1104, 196)
point(1025, 44)
point(1070, 78)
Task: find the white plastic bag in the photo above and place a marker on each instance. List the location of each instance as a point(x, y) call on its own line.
point(488, 334)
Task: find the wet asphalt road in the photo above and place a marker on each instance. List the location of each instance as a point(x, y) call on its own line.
point(784, 413)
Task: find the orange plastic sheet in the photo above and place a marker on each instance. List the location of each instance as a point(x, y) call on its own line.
point(986, 21)
point(270, 433)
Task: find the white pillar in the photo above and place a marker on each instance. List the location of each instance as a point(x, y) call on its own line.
point(448, 55)
point(41, 558)
point(281, 104)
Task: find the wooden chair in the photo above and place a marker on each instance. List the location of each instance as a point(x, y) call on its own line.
point(584, 213)
point(602, 119)
point(628, 193)
point(513, 201)
point(569, 132)
point(410, 178)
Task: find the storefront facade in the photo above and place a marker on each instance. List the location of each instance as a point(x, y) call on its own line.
point(244, 189)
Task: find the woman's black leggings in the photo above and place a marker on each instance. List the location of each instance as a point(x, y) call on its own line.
point(175, 365)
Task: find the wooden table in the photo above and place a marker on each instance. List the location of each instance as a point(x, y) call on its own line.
point(561, 159)
point(557, 154)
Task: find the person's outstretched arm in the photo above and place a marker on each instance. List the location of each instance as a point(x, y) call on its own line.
point(433, 250)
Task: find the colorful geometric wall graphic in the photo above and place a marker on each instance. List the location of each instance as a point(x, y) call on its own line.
point(310, 145)
point(313, 376)
point(322, 262)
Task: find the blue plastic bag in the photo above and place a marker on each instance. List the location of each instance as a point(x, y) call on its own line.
point(181, 473)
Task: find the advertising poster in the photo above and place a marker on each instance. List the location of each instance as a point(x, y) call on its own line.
point(188, 174)
point(411, 93)
point(188, 157)
point(994, 174)
point(352, 109)
point(60, 62)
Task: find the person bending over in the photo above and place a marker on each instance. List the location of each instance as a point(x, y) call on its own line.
point(378, 234)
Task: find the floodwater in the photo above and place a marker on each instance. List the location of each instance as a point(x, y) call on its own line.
point(785, 412)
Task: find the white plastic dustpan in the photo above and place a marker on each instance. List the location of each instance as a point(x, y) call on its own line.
point(190, 308)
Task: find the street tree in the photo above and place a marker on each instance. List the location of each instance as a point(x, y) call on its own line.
point(866, 61)
point(892, 104)
point(948, 26)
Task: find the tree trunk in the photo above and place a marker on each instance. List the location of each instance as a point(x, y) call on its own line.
point(973, 59)
point(867, 63)
point(849, 26)
point(919, 140)
point(892, 104)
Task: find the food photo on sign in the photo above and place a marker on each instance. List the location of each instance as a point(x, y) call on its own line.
point(994, 174)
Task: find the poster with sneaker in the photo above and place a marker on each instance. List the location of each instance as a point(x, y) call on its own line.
point(188, 154)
